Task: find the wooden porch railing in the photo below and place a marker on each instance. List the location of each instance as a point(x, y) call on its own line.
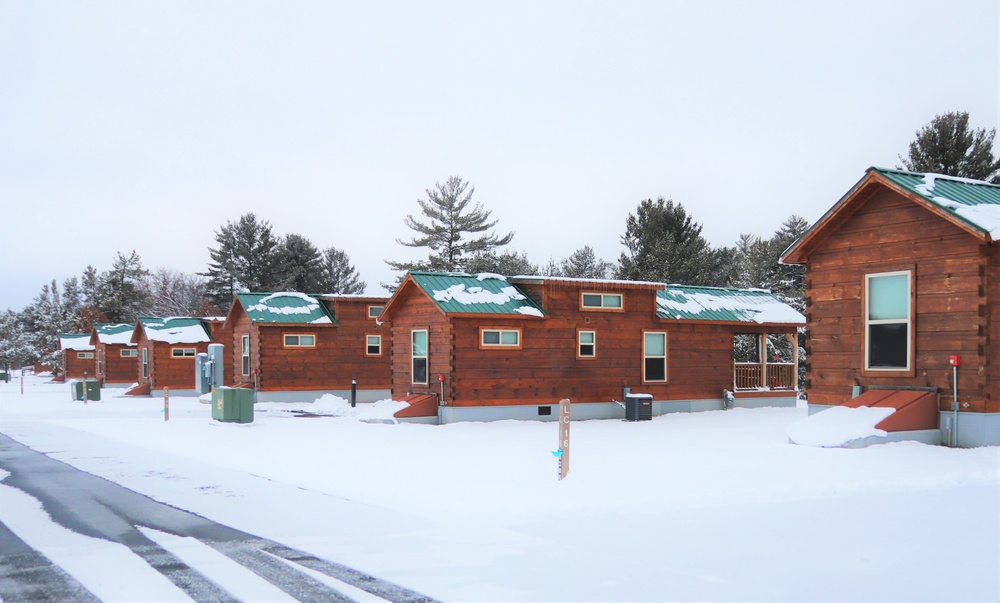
point(749, 376)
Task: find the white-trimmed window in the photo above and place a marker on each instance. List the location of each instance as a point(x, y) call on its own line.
point(586, 344)
point(654, 356)
point(85, 355)
point(183, 352)
point(145, 363)
point(100, 362)
point(888, 321)
point(245, 355)
point(374, 311)
point(373, 345)
point(601, 301)
point(129, 353)
point(418, 356)
point(299, 341)
point(500, 338)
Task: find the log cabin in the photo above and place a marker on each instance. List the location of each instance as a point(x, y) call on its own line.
point(167, 348)
point(117, 358)
point(903, 296)
point(296, 347)
point(485, 347)
point(77, 356)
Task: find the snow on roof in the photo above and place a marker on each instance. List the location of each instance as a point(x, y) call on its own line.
point(980, 210)
point(75, 341)
point(477, 295)
point(175, 329)
point(838, 425)
point(114, 334)
point(285, 307)
point(731, 305)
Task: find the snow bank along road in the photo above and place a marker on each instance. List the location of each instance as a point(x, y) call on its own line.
point(95, 507)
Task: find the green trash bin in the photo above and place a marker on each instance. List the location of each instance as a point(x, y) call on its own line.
point(232, 405)
point(93, 389)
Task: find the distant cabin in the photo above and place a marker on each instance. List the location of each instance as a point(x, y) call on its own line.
point(117, 357)
point(78, 356)
point(902, 283)
point(485, 347)
point(167, 349)
point(296, 347)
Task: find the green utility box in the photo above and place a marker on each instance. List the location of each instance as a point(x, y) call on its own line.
point(233, 405)
point(93, 389)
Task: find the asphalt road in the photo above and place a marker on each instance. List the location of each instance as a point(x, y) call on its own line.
point(96, 507)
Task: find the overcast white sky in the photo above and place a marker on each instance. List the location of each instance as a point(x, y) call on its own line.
point(148, 125)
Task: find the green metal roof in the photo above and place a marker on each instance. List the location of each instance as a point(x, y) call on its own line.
point(175, 329)
point(755, 306)
point(459, 293)
point(285, 308)
point(973, 202)
point(114, 333)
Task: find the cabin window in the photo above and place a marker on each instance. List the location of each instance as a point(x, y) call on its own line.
point(373, 345)
point(601, 301)
point(500, 338)
point(100, 362)
point(300, 341)
point(85, 355)
point(586, 344)
point(888, 327)
point(129, 353)
point(145, 363)
point(182, 352)
point(654, 356)
point(374, 311)
point(245, 355)
point(419, 357)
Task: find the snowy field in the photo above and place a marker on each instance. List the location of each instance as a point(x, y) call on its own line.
point(713, 506)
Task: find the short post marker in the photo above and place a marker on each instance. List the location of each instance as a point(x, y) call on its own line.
point(166, 403)
point(563, 453)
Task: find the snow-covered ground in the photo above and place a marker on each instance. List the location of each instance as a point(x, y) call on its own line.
point(713, 506)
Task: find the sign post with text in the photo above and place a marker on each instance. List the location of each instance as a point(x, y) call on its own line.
point(563, 454)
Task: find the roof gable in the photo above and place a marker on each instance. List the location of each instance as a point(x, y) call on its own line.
point(972, 205)
point(174, 329)
point(286, 307)
point(459, 293)
point(753, 306)
point(112, 333)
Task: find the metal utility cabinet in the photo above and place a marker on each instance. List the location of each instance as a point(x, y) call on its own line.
point(638, 407)
point(93, 389)
point(232, 405)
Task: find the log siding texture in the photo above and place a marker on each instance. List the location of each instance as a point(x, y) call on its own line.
point(939, 230)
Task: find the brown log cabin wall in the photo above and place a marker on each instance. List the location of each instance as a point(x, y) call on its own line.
point(950, 267)
point(546, 367)
point(241, 326)
point(992, 336)
point(420, 313)
point(167, 371)
point(339, 357)
point(74, 366)
point(118, 369)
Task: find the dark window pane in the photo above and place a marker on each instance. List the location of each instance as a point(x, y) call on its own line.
point(887, 346)
point(656, 369)
point(491, 337)
point(420, 370)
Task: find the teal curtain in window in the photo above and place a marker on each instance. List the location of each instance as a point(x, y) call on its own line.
point(889, 297)
point(656, 344)
point(420, 343)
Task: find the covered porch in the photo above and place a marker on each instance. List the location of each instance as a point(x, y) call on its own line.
point(765, 362)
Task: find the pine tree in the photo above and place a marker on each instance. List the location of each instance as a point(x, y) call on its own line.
point(173, 293)
point(16, 348)
point(338, 275)
point(44, 319)
point(948, 146)
point(448, 235)
point(664, 244)
point(508, 263)
point(245, 260)
point(300, 265)
point(121, 294)
point(583, 263)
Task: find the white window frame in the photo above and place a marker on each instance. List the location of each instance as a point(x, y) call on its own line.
point(145, 363)
point(908, 321)
point(501, 334)
point(646, 356)
point(374, 311)
point(245, 355)
point(298, 340)
point(128, 353)
point(369, 344)
point(580, 343)
point(183, 352)
point(85, 355)
point(603, 297)
point(425, 357)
